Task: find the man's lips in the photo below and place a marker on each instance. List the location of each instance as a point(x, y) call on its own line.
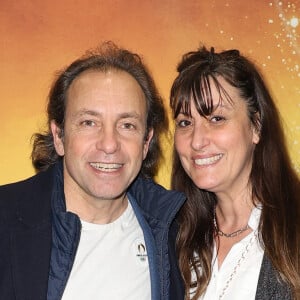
point(106, 167)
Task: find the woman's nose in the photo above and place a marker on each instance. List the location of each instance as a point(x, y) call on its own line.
point(200, 136)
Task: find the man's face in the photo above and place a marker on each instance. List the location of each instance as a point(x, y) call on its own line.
point(104, 142)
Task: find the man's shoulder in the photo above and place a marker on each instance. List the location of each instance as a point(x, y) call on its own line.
point(29, 185)
point(147, 188)
point(155, 199)
point(26, 198)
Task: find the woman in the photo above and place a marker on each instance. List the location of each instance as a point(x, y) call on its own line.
point(240, 227)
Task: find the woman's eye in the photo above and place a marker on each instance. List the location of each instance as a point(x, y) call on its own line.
point(217, 119)
point(183, 123)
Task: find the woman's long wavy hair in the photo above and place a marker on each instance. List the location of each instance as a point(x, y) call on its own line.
point(273, 179)
point(107, 57)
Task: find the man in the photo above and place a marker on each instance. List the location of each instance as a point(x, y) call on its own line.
point(91, 224)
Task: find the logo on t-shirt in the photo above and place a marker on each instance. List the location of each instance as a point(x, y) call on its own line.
point(140, 250)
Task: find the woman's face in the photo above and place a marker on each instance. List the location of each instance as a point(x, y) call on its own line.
point(216, 152)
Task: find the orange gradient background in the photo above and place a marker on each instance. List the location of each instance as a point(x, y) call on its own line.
point(40, 37)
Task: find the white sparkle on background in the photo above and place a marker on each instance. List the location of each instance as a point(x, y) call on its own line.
point(287, 41)
point(294, 22)
point(288, 37)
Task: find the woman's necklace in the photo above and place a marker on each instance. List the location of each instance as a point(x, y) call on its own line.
point(228, 235)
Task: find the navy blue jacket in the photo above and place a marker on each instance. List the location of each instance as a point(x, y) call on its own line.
point(39, 239)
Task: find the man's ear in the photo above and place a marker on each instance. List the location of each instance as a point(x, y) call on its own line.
point(147, 142)
point(57, 138)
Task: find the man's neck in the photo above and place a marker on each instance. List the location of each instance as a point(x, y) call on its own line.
point(98, 211)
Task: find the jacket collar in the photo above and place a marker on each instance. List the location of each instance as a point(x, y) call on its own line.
point(155, 201)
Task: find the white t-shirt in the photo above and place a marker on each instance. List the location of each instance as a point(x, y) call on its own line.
point(111, 262)
point(238, 276)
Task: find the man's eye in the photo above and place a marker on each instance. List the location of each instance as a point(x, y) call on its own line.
point(128, 126)
point(88, 123)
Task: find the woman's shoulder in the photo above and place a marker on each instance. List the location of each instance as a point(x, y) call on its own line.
point(270, 285)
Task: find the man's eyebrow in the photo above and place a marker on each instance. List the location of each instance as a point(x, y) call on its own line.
point(131, 114)
point(123, 115)
point(84, 112)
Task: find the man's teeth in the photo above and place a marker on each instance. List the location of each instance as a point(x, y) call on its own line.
point(208, 160)
point(106, 167)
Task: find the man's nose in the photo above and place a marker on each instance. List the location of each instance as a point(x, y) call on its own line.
point(108, 140)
